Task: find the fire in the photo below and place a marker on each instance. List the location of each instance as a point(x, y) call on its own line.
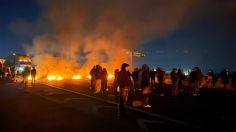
point(110, 76)
point(51, 77)
point(77, 77)
point(89, 77)
point(59, 78)
point(30, 78)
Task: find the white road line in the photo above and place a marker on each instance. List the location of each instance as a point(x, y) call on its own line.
point(129, 107)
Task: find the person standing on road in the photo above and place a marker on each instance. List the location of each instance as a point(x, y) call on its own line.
point(225, 76)
point(198, 74)
point(135, 78)
point(233, 76)
point(160, 75)
point(98, 81)
point(1, 69)
point(92, 79)
point(181, 78)
point(147, 90)
point(33, 75)
point(174, 79)
point(104, 76)
point(115, 84)
point(153, 78)
point(124, 82)
point(25, 74)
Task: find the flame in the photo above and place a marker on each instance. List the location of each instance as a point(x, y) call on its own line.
point(76, 77)
point(30, 78)
point(51, 77)
point(89, 77)
point(59, 78)
point(110, 76)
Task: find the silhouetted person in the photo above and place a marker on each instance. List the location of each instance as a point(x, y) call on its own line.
point(1, 69)
point(153, 77)
point(182, 77)
point(92, 79)
point(135, 78)
point(3, 73)
point(211, 80)
point(198, 74)
point(98, 81)
point(146, 84)
point(104, 76)
point(174, 79)
point(192, 80)
point(160, 75)
point(124, 81)
point(26, 74)
point(33, 75)
point(115, 89)
point(225, 76)
point(233, 76)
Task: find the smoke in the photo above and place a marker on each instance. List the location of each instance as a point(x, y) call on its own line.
point(82, 33)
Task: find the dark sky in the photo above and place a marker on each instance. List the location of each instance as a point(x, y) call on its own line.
point(208, 41)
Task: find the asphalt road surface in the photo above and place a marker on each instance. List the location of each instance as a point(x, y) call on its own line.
point(60, 106)
point(44, 108)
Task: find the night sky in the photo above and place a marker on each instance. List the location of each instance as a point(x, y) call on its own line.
point(207, 41)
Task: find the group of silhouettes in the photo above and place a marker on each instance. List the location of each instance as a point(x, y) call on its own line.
point(147, 80)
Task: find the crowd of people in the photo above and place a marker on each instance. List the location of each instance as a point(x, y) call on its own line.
point(99, 78)
point(148, 80)
point(6, 73)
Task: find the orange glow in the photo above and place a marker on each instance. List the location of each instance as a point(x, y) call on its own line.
point(52, 67)
point(89, 77)
point(110, 76)
point(30, 78)
point(77, 77)
point(59, 78)
point(51, 77)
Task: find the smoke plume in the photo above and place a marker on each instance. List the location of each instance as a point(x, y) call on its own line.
point(82, 33)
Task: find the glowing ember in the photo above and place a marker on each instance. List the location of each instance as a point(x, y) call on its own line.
point(77, 77)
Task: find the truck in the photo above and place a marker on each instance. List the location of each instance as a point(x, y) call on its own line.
point(18, 62)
